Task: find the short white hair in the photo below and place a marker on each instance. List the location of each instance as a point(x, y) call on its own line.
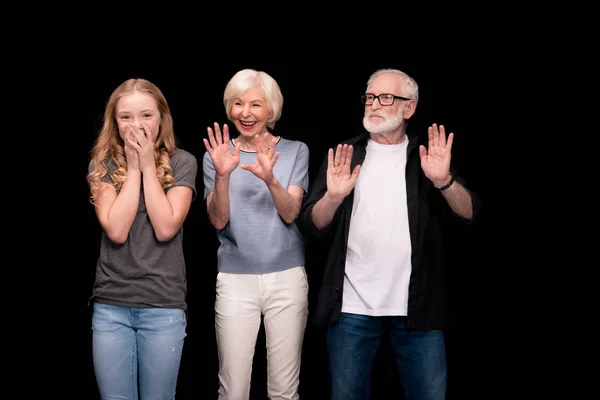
point(250, 79)
point(411, 88)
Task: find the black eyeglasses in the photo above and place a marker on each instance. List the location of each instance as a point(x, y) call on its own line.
point(385, 99)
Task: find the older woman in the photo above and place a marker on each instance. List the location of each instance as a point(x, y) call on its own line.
point(254, 185)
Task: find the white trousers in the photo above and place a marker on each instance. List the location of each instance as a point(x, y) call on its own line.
point(282, 297)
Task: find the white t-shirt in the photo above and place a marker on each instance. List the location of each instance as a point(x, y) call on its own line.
point(378, 263)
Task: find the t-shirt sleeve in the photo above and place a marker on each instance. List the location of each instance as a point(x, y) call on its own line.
point(106, 178)
point(209, 174)
point(300, 171)
point(185, 168)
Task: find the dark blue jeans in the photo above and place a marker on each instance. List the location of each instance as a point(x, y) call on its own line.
point(352, 345)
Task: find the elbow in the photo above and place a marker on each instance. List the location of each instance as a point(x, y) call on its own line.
point(470, 211)
point(217, 222)
point(164, 238)
point(289, 220)
point(219, 225)
point(290, 217)
point(472, 208)
point(117, 237)
point(164, 235)
point(469, 215)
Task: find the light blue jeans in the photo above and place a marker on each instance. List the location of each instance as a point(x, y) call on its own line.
point(128, 343)
point(352, 344)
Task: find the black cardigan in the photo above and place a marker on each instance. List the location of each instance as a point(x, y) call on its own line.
point(426, 209)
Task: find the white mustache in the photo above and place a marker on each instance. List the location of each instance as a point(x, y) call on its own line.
point(375, 114)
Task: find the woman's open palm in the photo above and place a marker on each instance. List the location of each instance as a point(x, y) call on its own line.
point(217, 145)
point(265, 159)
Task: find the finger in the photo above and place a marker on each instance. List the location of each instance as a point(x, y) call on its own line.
point(138, 134)
point(264, 145)
point(207, 145)
point(342, 159)
point(211, 138)
point(139, 130)
point(450, 141)
point(272, 145)
point(430, 135)
point(225, 133)
point(442, 137)
point(218, 136)
point(349, 156)
point(271, 149)
point(435, 135)
point(128, 133)
point(422, 151)
point(135, 145)
point(236, 149)
point(338, 155)
point(247, 167)
point(330, 159)
point(147, 130)
point(275, 158)
point(355, 173)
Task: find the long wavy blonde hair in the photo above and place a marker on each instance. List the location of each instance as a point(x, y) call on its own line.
point(109, 147)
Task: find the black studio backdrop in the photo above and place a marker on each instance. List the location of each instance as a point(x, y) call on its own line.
point(321, 107)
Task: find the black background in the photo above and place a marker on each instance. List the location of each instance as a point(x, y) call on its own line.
point(321, 107)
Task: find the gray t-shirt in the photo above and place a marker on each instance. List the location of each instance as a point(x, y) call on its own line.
point(144, 272)
point(256, 239)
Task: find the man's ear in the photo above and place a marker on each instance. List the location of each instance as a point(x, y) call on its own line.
point(410, 109)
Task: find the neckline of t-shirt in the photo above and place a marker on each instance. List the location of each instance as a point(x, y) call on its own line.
point(252, 151)
point(388, 147)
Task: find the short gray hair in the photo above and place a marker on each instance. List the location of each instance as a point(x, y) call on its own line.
point(412, 88)
point(249, 79)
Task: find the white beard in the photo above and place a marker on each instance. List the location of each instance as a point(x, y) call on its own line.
point(387, 125)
